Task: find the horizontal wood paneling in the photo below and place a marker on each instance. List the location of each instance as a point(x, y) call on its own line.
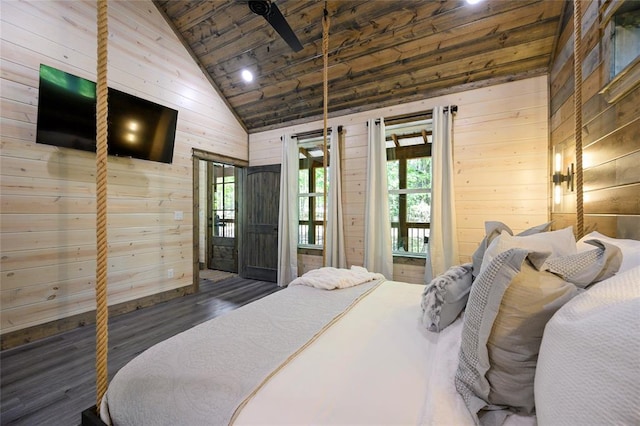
point(610, 135)
point(620, 142)
point(500, 155)
point(47, 194)
point(616, 200)
point(620, 171)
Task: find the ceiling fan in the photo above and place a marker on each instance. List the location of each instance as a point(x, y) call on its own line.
point(274, 17)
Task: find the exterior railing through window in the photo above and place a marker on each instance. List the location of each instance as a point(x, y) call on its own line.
point(417, 237)
point(225, 228)
point(303, 235)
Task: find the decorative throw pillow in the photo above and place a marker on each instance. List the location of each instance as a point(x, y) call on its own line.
point(493, 229)
point(527, 305)
point(508, 307)
point(445, 297)
point(587, 267)
point(555, 243)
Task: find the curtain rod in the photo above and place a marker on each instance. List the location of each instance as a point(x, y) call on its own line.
point(314, 133)
point(453, 108)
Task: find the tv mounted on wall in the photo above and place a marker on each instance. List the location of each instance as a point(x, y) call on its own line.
point(137, 128)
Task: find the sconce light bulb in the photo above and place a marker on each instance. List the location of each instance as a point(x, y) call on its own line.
point(558, 163)
point(557, 194)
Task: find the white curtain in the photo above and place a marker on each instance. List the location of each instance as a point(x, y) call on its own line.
point(377, 225)
point(288, 215)
point(334, 245)
point(443, 238)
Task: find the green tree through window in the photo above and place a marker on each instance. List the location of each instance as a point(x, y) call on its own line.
point(311, 180)
point(409, 184)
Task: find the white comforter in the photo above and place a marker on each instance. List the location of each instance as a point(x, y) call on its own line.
point(377, 365)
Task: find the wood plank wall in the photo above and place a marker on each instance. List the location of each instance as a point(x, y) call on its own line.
point(47, 230)
point(610, 137)
point(500, 154)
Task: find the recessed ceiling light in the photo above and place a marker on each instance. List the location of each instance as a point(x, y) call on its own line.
point(247, 76)
point(473, 1)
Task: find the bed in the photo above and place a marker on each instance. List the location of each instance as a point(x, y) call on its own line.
point(348, 347)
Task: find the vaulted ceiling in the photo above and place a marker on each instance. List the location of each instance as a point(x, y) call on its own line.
point(381, 52)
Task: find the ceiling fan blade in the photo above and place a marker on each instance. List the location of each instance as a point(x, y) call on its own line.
point(272, 14)
point(280, 24)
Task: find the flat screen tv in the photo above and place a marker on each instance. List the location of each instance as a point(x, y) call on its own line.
point(137, 128)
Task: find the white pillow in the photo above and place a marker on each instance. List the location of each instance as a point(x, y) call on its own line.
point(558, 243)
point(630, 249)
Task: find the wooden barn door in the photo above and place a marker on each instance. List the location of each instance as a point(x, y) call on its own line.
point(260, 241)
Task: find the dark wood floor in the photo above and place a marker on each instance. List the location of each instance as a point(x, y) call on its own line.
point(51, 381)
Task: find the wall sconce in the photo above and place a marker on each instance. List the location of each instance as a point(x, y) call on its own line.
point(558, 178)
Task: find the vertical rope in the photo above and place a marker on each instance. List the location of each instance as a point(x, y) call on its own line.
point(101, 203)
point(325, 106)
point(577, 97)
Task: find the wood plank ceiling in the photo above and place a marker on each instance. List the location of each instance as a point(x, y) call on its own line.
point(381, 52)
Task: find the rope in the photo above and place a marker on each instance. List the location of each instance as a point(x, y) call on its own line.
point(325, 79)
point(101, 204)
point(577, 98)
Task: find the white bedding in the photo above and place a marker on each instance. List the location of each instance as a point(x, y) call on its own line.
point(372, 367)
point(377, 365)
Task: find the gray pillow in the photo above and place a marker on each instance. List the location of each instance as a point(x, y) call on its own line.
point(527, 305)
point(493, 229)
point(445, 297)
point(543, 227)
point(508, 307)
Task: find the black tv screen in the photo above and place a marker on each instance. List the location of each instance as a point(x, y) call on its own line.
point(137, 128)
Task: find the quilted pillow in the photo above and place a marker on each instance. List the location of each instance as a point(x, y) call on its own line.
point(588, 267)
point(508, 308)
point(445, 297)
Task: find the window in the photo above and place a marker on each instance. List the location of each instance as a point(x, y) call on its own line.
point(621, 21)
point(409, 181)
point(626, 37)
point(311, 180)
point(224, 200)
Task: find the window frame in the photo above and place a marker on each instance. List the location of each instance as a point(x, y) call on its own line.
point(402, 154)
point(624, 80)
point(224, 225)
point(312, 164)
